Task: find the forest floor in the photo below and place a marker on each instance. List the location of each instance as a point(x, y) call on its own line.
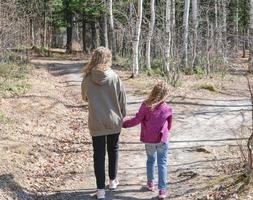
point(46, 151)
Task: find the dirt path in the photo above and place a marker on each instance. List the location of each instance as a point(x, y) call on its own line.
point(204, 138)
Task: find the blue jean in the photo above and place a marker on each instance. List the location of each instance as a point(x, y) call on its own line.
point(159, 151)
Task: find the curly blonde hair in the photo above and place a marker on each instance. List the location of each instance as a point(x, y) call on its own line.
point(158, 94)
point(101, 60)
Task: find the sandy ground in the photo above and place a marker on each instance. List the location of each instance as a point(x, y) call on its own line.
point(52, 160)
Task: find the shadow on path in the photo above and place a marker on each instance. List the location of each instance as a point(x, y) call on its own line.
point(16, 191)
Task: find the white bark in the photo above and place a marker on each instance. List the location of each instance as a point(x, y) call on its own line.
point(237, 24)
point(112, 33)
point(173, 27)
point(224, 19)
point(195, 29)
point(216, 14)
point(208, 44)
point(218, 25)
point(32, 32)
point(150, 34)
point(186, 32)
point(105, 26)
point(251, 37)
point(168, 31)
point(136, 39)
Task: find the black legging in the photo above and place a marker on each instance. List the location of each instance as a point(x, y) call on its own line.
point(99, 143)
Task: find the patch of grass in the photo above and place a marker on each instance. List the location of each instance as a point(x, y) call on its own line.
point(199, 71)
point(155, 72)
point(209, 86)
point(122, 63)
point(156, 68)
point(14, 78)
point(4, 119)
point(157, 63)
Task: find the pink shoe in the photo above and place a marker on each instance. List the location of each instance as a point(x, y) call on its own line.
point(162, 194)
point(151, 185)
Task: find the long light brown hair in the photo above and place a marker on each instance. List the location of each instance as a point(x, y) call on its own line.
point(158, 94)
point(101, 59)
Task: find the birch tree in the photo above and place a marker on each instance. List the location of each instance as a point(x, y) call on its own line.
point(251, 37)
point(224, 28)
point(195, 29)
point(168, 36)
point(150, 33)
point(237, 23)
point(186, 32)
point(136, 39)
point(111, 30)
point(105, 27)
point(224, 18)
point(173, 27)
point(32, 32)
point(216, 14)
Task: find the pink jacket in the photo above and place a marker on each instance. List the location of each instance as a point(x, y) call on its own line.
point(155, 124)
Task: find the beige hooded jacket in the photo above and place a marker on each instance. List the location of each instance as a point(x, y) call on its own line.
point(106, 98)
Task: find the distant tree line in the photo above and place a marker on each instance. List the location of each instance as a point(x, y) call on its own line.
point(186, 35)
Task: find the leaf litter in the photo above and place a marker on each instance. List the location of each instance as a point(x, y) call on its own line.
point(48, 146)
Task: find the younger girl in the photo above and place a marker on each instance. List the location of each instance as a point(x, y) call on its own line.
point(155, 117)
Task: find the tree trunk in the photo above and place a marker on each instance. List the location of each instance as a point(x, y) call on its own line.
point(224, 19)
point(237, 24)
point(168, 31)
point(104, 28)
point(244, 44)
point(224, 27)
point(84, 35)
point(69, 19)
point(173, 28)
point(32, 39)
point(44, 24)
point(93, 35)
point(217, 31)
point(208, 45)
point(216, 14)
point(69, 39)
point(111, 31)
point(136, 39)
point(251, 38)
point(186, 33)
point(195, 30)
point(76, 46)
point(150, 34)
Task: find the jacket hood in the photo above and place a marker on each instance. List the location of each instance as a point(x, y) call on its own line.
point(101, 77)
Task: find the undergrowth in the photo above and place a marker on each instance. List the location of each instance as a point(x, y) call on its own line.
point(14, 78)
point(4, 119)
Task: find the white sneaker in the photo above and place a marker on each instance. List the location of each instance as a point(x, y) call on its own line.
point(100, 194)
point(113, 184)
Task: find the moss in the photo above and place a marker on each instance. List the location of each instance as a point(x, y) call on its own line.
point(4, 119)
point(209, 86)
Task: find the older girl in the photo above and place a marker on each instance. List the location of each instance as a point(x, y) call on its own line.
point(105, 94)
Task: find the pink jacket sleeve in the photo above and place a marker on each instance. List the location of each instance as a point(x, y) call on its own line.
point(169, 120)
point(135, 120)
point(167, 126)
